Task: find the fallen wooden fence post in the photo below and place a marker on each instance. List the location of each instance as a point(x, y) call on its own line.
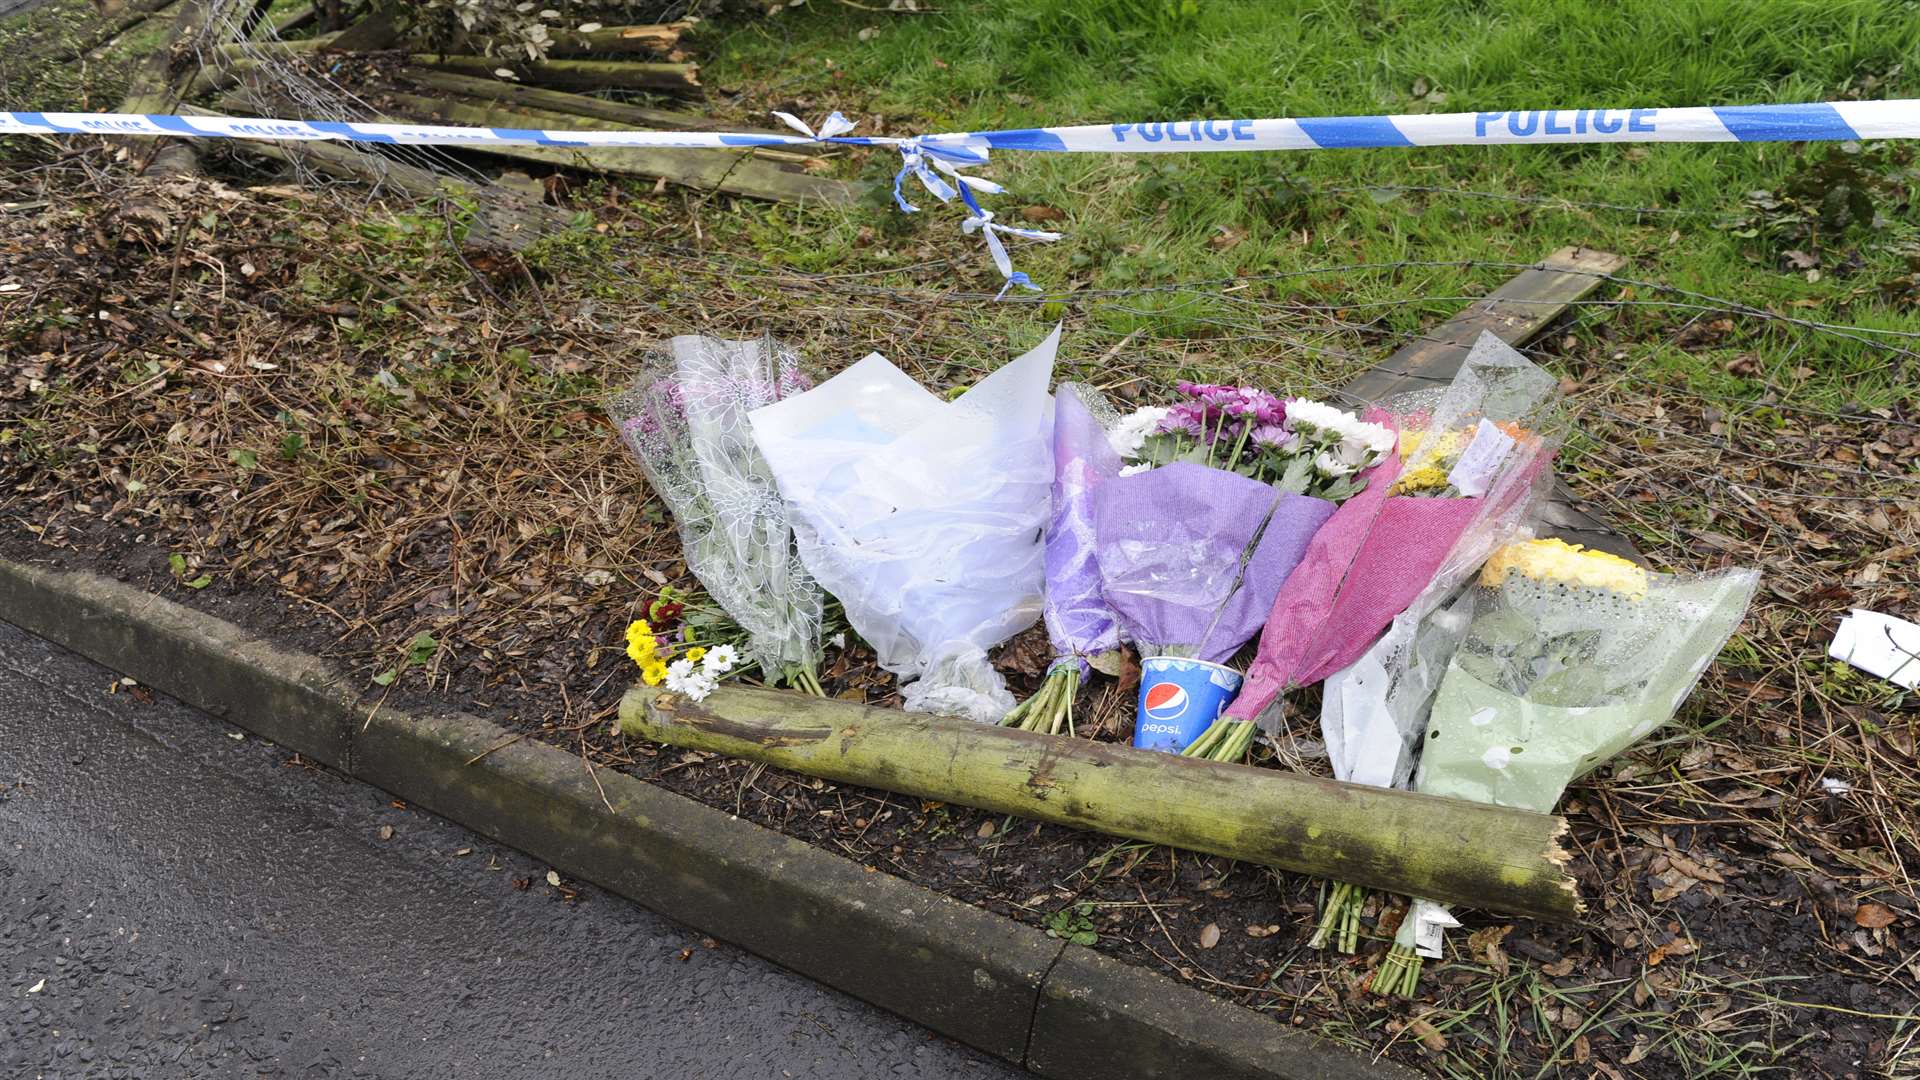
point(660, 38)
point(760, 176)
point(577, 74)
point(1473, 854)
point(1514, 313)
point(508, 222)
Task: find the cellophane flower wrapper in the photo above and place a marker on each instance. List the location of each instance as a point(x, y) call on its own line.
point(1171, 543)
point(1516, 732)
point(924, 517)
point(1381, 551)
point(1374, 708)
point(1619, 667)
point(1081, 624)
point(685, 419)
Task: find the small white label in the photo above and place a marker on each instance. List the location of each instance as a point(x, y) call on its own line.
point(1430, 925)
point(1473, 474)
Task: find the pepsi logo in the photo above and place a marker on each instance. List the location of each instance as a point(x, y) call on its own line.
point(1167, 701)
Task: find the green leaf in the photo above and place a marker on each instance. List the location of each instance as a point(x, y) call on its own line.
point(177, 563)
point(422, 647)
point(200, 582)
point(1084, 937)
point(246, 459)
point(386, 677)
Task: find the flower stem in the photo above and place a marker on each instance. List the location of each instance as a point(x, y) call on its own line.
point(803, 678)
point(1051, 707)
point(1399, 972)
point(1224, 740)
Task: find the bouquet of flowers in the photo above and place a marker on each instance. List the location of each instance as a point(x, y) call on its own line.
point(1468, 450)
point(673, 661)
point(685, 418)
point(1083, 628)
point(1570, 656)
point(1194, 538)
point(924, 517)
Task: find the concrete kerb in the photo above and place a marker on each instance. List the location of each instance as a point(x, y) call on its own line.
point(1060, 1010)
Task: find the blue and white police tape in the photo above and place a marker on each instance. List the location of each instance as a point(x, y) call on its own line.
point(927, 157)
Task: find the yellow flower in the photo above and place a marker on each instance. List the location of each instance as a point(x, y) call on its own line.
point(653, 673)
point(1429, 477)
point(1449, 444)
point(1567, 564)
point(640, 642)
point(696, 653)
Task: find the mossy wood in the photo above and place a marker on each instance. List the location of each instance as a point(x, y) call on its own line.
point(622, 113)
point(1525, 306)
point(498, 220)
point(577, 74)
point(159, 83)
point(652, 38)
point(1467, 853)
point(735, 171)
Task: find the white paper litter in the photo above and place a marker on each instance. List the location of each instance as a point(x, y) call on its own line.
point(1879, 645)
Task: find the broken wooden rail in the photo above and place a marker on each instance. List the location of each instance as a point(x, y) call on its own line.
point(651, 38)
point(1515, 313)
point(1475, 854)
point(509, 222)
point(662, 78)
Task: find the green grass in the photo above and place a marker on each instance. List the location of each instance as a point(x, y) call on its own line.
point(1146, 221)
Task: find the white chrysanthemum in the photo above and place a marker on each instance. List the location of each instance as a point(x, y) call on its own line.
point(680, 668)
point(1317, 417)
point(719, 660)
point(1331, 464)
point(1130, 434)
point(1364, 444)
point(1136, 468)
point(697, 687)
point(1379, 437)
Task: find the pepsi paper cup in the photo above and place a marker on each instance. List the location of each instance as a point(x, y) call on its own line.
point(1179, 698)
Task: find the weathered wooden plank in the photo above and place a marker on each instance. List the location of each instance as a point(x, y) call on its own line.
point(374, 32)
point(577, 74)
point(625, 114)
point(279, 25)
point(652, 38)
point(1514, 313)
point(159, 83)
point(503, 220)
point(727, 170)
point(1470, 853)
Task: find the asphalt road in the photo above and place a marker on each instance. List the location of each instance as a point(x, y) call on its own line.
point(177, 899)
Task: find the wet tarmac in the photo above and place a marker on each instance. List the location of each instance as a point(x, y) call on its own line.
point(180, 899)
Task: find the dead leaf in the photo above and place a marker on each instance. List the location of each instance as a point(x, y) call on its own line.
point(553, 878)
point(1043, 213)
point(1874, 916)
point(1484, 945)
point(1210, 936)
point(386, 832)
point(1676, 947)
point(1429, 1035)
point(986, 830)
point(1263, 931)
